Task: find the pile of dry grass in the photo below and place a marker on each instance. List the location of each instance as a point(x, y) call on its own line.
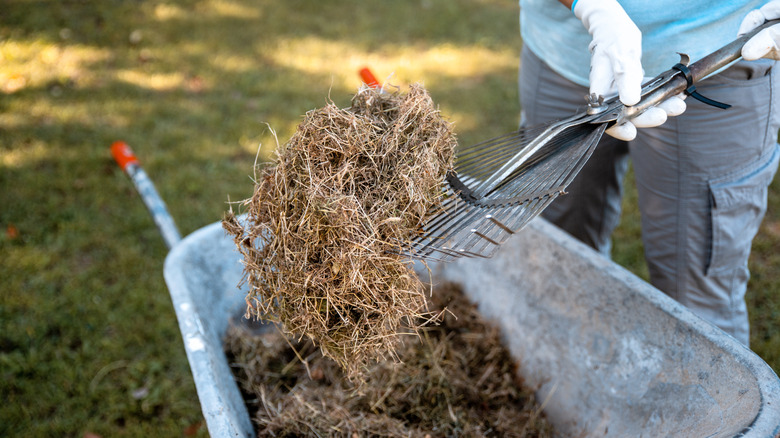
point(328, 217)
point(457, 379)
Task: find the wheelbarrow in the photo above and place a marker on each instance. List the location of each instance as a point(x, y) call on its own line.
point(607, 354)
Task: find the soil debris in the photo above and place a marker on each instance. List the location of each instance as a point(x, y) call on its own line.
point(456, 379)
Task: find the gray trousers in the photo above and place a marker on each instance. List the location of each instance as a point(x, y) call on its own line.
point(702, 180)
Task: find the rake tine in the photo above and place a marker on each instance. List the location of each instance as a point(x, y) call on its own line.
point(429, 256)
point(413, 254)
point(479, 240)
point(462, 252)
point(477, 233)
point(518, 159)
point(476, 224)
point(449, 232)
point(539, 154)
point(491, 154)
point(512, 141)
point(489, 162)
point(499, 224)
point(481, 156)
point(535, 182)
point(450, 228)
point(488, 245)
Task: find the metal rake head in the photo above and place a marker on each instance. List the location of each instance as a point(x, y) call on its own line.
point(498, 186)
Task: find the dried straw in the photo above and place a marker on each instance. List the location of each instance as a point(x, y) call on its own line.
point(456, 380)
point(327, 219)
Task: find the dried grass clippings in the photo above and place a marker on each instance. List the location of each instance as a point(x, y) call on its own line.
point(328, 217)
point(457, 379)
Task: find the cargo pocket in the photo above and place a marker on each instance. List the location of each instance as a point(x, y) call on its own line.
point(738, 204)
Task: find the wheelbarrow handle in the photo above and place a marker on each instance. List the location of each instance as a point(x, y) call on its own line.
point(129, 163)
point(123, 155)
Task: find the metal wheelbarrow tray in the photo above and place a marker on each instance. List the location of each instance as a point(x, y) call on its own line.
point(609, 354)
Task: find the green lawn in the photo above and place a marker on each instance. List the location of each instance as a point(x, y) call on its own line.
point(89, 342)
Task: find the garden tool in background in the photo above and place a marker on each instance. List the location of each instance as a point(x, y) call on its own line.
point(127, 160)
point(368, 77)
point(498, 186)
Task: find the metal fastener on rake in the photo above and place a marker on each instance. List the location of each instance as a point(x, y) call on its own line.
point(500, 185)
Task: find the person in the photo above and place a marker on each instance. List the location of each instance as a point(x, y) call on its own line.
point(702, 173)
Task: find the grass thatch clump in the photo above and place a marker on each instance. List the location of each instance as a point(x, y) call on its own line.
point(325, 220)
point(457, 379)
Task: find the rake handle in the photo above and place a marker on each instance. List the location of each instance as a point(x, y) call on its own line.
point(725, 55)
point(698, 71)
point(368, 78)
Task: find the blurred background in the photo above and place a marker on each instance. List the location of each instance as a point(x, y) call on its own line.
point(89, 342)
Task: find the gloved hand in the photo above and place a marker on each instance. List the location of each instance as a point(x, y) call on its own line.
point(616, 62)
point(616, 49)
point(765, 44)
point(655, 116)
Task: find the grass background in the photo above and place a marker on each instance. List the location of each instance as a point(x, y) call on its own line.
point(89, 342)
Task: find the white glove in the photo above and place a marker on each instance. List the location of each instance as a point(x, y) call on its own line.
point(616, 62)
point(765, 44)
point(655, 116)
point(616, 49)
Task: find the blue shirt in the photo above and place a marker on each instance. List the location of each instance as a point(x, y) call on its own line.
point(693, 27)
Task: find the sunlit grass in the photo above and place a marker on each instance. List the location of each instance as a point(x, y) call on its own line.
point(37, 63)
point(408, 64)
point(441, 65)
point(31, 154)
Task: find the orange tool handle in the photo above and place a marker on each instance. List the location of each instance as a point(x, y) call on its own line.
point(127, 160)
point(369, 78)
point(123, 155)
